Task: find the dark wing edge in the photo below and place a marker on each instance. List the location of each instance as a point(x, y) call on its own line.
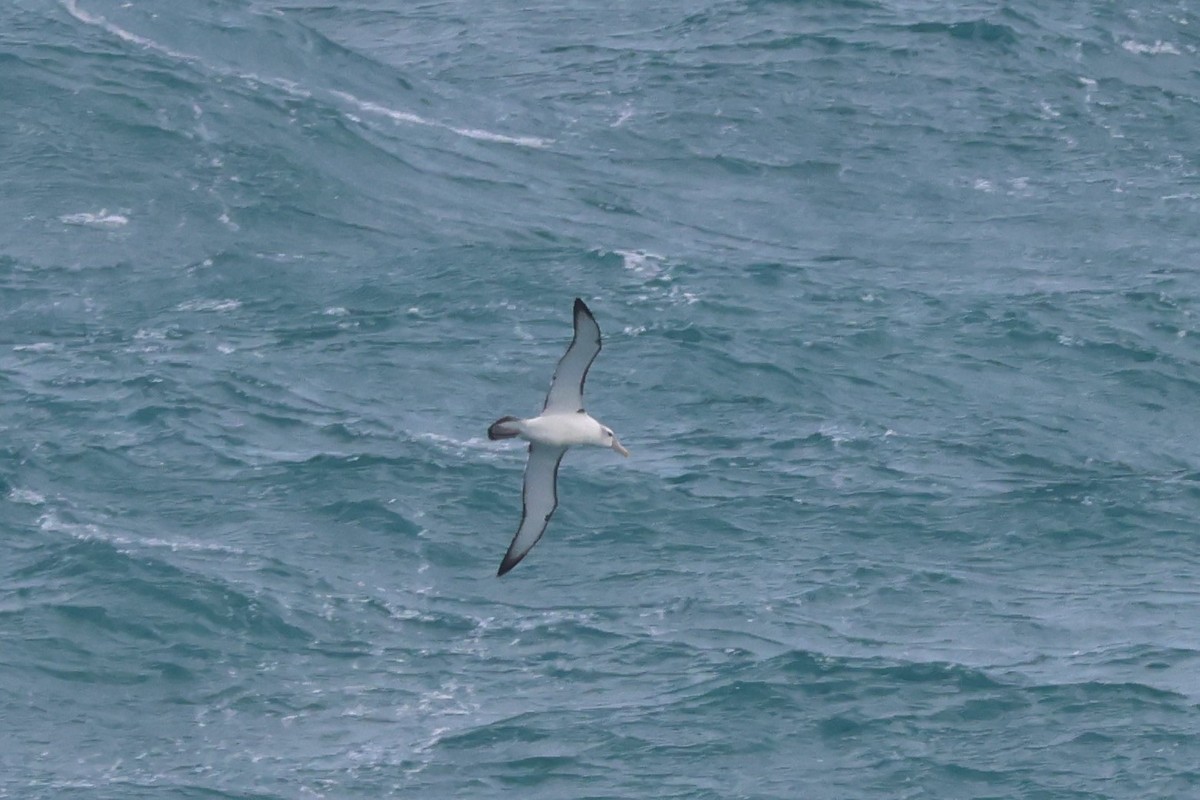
point(524, 540)
point(583, 315)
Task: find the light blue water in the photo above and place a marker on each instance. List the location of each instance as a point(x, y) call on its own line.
point(900, 305)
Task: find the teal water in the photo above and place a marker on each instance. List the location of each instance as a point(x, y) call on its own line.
point(900, 304)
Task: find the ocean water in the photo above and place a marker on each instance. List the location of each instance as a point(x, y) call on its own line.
point(901, 304)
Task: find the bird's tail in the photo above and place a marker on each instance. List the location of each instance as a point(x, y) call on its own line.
point(503, 429)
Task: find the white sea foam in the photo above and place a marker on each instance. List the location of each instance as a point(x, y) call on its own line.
point(210, 305)
point(72, 7)
point(26, 497)
point(94, 533)
point(1158, 48)
point(640, 262)
point(151, 334)
point(228, 222)
point(99, 219)
point(410, 118)
point(682, 296)
point(655, 269)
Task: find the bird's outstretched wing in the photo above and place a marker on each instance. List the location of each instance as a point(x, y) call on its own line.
point(566, 390)
point(539, 498)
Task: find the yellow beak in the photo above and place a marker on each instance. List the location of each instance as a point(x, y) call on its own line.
point(617, 446)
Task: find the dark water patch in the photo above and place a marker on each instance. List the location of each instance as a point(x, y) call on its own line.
point(1154, 658)
point(524, 728)
point(978, 30)
point(822, 5)
point(82, 617)
point(149, 599)
point(1076, 697)
point(372, 512)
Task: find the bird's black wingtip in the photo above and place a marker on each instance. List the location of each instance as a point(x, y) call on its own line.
point(581, 307)
point(506, 566)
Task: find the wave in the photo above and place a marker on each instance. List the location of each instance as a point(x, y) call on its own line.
point(293, 88)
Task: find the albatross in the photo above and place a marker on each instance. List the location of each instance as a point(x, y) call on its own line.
point(562, 423)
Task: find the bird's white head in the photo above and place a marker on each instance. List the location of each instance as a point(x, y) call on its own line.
point(609, 439)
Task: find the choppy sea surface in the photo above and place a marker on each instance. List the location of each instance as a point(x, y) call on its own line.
point(902, 315)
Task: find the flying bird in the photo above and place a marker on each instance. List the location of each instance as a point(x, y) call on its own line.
point(562, 423)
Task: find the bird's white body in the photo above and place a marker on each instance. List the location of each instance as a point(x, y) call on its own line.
point(564, 430)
